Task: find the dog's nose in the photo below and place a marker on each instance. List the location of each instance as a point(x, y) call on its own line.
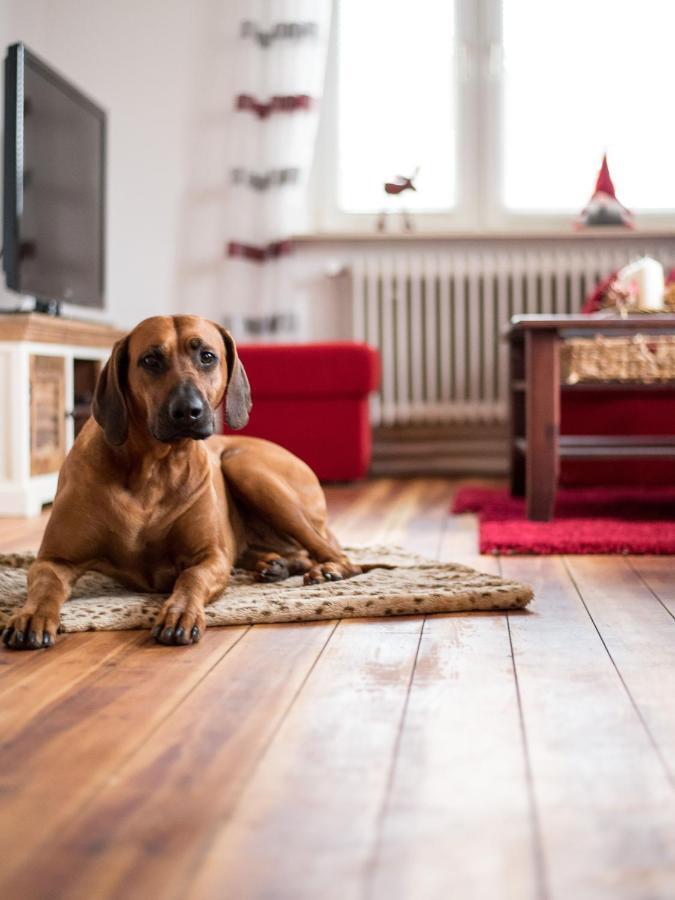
point(186, 404)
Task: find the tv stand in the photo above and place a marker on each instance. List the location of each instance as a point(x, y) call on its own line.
point(48, 307)
point(48, 369)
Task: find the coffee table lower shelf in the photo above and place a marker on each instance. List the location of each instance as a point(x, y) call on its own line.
point(614, 447)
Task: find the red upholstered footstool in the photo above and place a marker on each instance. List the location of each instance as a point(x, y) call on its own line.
point(313, 400)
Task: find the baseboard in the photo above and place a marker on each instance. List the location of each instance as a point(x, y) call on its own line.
point(473, 449)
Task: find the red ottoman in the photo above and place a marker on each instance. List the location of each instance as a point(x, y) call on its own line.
point(313, 400)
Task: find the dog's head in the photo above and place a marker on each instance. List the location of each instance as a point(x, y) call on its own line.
point(169, 375)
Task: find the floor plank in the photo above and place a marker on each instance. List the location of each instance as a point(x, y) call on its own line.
point(44, 677)
point(311, 809)
point(604, 804)
point(22, 534)
point(459, 779)
point(12, 664)
point(658, 573)
point(639, 634)
point(349, 509)
point(68, 749)
point(179, 786)
point(421, 529)
point(390, 511)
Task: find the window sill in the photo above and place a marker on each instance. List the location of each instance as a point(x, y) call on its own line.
point(611, 233)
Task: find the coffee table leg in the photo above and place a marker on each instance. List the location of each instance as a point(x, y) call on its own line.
point(542, 363)
point(517, 417)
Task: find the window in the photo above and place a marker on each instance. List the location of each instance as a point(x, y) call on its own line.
point(582, 78)
point(396, 102)
point(503, 108)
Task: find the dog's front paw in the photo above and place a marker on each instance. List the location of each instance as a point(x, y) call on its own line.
point(179, 625)
point(31, 630)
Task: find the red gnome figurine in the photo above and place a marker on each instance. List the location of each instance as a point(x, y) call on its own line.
point(603, 207)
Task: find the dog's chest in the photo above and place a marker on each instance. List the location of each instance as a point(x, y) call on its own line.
point(154, 524)
point(139, 547)
point(146, 519)
point(143, 563)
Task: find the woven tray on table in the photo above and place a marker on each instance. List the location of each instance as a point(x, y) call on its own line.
point(642, 359)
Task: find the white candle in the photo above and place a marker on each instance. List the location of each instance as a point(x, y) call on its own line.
point(646, 275)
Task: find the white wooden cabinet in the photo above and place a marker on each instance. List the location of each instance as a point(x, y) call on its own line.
point(47, 371)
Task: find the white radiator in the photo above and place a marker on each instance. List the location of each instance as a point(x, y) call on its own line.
point(438, 318)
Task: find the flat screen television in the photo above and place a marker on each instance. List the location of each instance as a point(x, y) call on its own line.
point(54, 186)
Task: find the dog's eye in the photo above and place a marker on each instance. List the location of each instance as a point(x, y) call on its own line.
point(207, 358)
point(151, 362)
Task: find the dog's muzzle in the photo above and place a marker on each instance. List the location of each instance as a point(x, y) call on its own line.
point(185, 414)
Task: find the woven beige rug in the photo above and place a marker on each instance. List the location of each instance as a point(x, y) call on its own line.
point(417, 585)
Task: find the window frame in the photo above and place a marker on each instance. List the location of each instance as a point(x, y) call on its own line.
point(478, 150)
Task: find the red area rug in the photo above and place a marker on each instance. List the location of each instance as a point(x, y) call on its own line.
point(587, 520)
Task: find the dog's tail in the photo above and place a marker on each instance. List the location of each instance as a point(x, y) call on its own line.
point(368, 567)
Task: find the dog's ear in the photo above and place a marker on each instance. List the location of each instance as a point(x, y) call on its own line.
point(238, 391)
point(109, 407)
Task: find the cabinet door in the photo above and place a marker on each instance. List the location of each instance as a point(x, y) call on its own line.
point(47, 414)
point(85, 374)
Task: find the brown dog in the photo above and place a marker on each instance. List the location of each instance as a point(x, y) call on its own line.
point(147, 496)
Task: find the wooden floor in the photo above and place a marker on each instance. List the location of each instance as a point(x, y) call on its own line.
point(528, 755)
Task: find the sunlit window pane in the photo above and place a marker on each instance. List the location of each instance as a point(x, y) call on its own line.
point(396, 96)
point(584, 77)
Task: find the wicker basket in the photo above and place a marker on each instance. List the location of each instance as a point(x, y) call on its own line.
point(642, 359)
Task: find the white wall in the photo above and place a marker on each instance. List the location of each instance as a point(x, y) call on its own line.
point(160, 68)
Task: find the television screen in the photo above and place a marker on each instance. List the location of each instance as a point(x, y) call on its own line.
point(54, 185)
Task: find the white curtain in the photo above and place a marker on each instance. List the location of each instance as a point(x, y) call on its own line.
point(278, 59)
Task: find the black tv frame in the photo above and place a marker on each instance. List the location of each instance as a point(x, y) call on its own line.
point(17, 57)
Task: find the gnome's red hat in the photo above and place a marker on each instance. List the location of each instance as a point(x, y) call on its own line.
point(604, 182)
point(604, 208)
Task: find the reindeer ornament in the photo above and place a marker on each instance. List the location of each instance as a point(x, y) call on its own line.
point(395, 188)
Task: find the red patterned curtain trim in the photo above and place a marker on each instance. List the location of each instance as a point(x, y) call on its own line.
point(257, 253)
point(289, 103)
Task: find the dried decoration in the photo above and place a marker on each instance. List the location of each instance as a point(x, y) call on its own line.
point(639, 287)
point(669, 297)
point(616, 297)
point(277, 323)
point(293, 31)
point(261, 181)
point(288, 103)
point(641, 359)
point(258, 253)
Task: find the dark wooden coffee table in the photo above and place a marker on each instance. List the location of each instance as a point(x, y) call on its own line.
point(536, 444)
